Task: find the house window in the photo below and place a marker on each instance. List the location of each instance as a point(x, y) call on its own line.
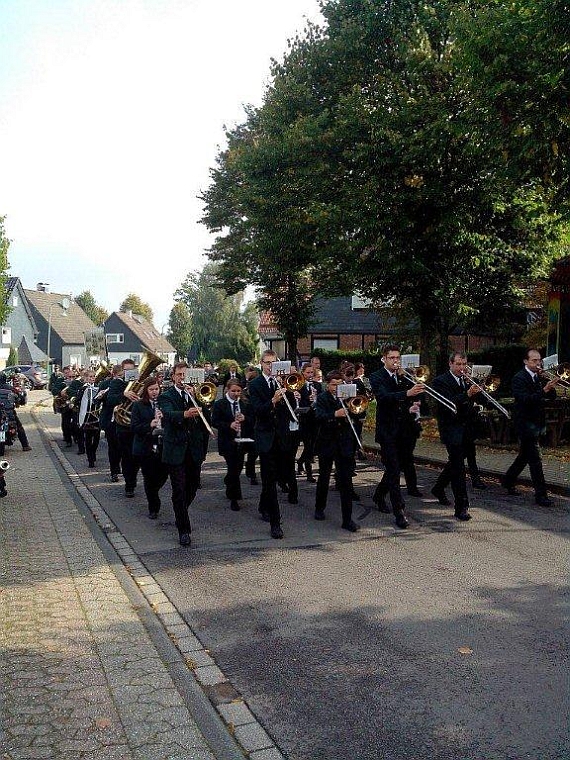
point(115, 337)
point(14, 300)
point(327, 344)
point(6, 335)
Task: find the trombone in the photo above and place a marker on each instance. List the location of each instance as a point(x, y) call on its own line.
point(205, 393)
point(354, 405)
point(490, 383)
point(293, 382)
point(420, 375)
point(560, 373)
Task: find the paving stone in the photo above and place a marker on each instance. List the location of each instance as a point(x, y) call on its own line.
point(253, 737)
point(237, 714)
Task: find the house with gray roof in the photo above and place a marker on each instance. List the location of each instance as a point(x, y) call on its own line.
point(129, 335)
point(20, 330)
point(62, 324)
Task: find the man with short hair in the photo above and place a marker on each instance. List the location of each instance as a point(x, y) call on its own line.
point(530, 394)
point(395, 432)
point(453, 427)
point(182, 447)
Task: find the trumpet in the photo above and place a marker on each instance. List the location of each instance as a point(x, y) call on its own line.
point(561, 373)
point(488, 386)
point(421, 375)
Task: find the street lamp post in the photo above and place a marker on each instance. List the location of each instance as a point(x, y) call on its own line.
point(65, 303)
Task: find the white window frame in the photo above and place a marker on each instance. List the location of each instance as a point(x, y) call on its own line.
point(326, 344)
point(115, 338)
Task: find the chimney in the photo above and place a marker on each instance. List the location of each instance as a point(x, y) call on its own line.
point(43, 287)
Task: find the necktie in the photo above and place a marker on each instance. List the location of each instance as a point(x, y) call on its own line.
point(395, 379)
point(236, 408)
point(272, 385)
point(462, 384)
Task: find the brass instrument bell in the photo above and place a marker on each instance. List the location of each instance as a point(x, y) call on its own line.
point(356, 404)
point(294, 382)
point(206, 393)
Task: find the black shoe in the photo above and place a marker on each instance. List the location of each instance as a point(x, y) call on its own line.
point(479, 484)
point(276, 532)
point(414, 492)
point(3, 492)
point(129, 493)
point(234, 506)
point(401, 519)
point(319, 514)
point(354, 496)
point(380, 501)
point(300, 467)
point(91, 464)
point(462, 514)
point(509, 488)
point(114, 478)
point(185, 539)
point(153, 515)
point(544, 501)
point(254, 481)
point(440, 496)
point(351, 526)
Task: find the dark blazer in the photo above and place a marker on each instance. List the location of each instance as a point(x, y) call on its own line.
point(530, 400)
point(222, 418)
point(180, 433)
point(452, 426)
point(265, 422)
point(113, 397)
point(392, 407)
point(334, 436)
point(142, 414)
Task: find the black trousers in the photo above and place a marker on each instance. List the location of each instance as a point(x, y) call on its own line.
point(22, 437)
point(91, 437)
point(404, 462)
point(529, 453)
point(343, 474)
point(129, 464)
point(155, 474)
point(234, 463)
point(185, 479)
point(286, 471)
point(250, 459)
point(268, 501)
point(113, 448)
point(454, 473)
point(67, 425)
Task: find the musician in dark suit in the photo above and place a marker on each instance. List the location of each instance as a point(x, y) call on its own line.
point(264, 395)
point(119, 393)
point(233, 374)
point(113, 396)
point(251, 373)
point(334, 445)
point(308, 422)
point(182, 447)
point(453, 428)
point(57, 383)
point(531, 392)
point(229, 417)
point(146, 424)
point(396, 432)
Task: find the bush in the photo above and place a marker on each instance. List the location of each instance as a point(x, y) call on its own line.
point(332, 359)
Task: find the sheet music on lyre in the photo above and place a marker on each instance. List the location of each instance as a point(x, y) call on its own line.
point(280, 368)
point(194, 375)
point(480, 372)
point(409, 361)
point(550, 361)
point(346, 390)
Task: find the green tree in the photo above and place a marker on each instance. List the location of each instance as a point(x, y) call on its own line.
point(4, 266)
point(96, 313)
point(362, 172)
point(219, 325)
point(180, 328)
point(133, 303)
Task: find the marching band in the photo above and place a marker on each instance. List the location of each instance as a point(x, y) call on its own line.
point(162, 428)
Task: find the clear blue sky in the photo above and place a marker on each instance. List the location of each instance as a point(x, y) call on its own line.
point(111, 115)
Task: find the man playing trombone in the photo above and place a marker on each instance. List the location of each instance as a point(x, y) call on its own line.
point(453, 427)
point(395, 432)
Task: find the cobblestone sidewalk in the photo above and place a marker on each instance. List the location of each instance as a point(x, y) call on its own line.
point(80, 675)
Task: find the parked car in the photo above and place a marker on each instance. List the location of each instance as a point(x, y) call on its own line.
point(35, 378)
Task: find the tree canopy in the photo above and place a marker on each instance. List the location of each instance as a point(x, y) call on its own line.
point(133, 303)
point(219, 324)
point(96, 313)
point(4, 246)
point(375, 164)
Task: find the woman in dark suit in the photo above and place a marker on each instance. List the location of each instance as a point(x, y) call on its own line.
point(147, 444)
point(229, 417)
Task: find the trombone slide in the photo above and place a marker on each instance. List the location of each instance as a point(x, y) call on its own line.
point(351, 423)
point(429, 390)
point(201, 414)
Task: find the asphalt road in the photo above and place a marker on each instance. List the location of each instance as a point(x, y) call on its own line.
point(446, 641)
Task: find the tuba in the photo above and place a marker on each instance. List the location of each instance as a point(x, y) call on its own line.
point(122, 412)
